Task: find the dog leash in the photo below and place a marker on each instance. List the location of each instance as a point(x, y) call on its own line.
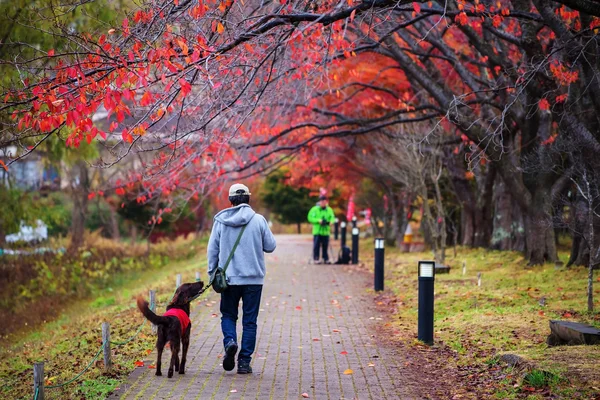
point(201, 292)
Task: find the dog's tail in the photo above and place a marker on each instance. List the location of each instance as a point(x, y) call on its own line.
point(150, 316)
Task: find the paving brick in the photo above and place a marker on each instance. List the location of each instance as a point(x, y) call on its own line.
point(309, 315)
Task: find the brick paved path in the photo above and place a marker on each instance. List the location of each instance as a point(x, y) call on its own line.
point(314, 325)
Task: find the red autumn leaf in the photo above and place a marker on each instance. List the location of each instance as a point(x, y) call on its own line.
point(152, 366)
point(416, 7)
point(139, 363)
point(316, 339)
point(50, 53)
point(298, 308)
point(544, 104)
point(344, 353)
point(461, 18)
point(3, 165)
point(567, 315)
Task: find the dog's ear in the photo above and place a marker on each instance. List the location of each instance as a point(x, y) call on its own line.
point(177, 297)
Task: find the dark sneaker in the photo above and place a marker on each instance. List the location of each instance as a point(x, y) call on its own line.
point(244, 367)
point(229, 359)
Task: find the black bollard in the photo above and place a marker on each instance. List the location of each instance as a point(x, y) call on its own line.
point(379, 257)
point(343, 236)
point(426, 281)
point(354, 221)
point(354, 245)
point(336, 229)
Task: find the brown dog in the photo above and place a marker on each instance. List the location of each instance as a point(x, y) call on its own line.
point(174, 326)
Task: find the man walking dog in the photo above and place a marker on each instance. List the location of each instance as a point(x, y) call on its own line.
point(245, 272)
point(321, 216)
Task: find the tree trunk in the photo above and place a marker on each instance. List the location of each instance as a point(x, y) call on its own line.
point(539, 233)
point(2, 237)
point(502, 224)
point(115, 234)
point(133, 231)
point(484, 220)
point(80, 191)
point(467, 222)
point(590, 286)
point(298, 226)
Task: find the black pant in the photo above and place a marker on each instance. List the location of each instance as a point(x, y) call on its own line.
point(323, 242)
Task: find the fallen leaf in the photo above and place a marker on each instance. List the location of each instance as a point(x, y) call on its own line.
point(348, 372)
point(152, 366)
point(371, 365)
point(298, 308)
point(344, 353)
point(305, 395)
point(139, 363)
point(567, 315)
point(213, 315)
point(233, 391)
point(316, 339)
point(336, 331)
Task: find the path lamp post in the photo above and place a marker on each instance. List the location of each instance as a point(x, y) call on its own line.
point(336, 229)
point(354, 221)
point(379, 257)
point(343, 237)
point(355, 245)
point(426, 280)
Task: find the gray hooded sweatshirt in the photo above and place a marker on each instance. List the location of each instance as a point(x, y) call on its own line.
point(247, 267)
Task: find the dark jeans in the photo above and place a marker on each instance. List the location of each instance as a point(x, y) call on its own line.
point(230, 301)
point(320, 242)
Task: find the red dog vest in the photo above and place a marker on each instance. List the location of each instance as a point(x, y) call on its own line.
point(183, 318)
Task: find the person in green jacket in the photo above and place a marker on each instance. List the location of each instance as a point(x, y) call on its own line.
point(321, 217)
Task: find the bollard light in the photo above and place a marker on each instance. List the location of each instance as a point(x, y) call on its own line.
point(426, 281)
point(354, 221)
point(379, 258)
point(343, 235)
point(355, 233)
point(336, 229)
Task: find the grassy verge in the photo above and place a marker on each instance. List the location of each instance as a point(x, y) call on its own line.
point(508, 313)
point(70, 342)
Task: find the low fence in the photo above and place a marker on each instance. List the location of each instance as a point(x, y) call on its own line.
point(105, 349)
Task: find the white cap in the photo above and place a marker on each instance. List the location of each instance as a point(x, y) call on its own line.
point(239, 189)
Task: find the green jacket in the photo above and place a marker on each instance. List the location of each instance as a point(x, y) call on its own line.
point(316, 214)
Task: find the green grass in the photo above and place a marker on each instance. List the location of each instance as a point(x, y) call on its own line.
point(503, 314)
point(68, 343)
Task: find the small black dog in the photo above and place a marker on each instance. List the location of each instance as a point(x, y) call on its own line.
point(174, 326)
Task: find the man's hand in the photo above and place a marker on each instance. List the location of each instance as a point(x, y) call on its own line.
point(324, 222)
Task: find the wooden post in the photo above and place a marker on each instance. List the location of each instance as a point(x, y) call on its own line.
point(197, 276)
point(479, 279)
point(153, 308)
point(464, 267)
point(106, 342)
point(38, 381)
point(178, 281)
